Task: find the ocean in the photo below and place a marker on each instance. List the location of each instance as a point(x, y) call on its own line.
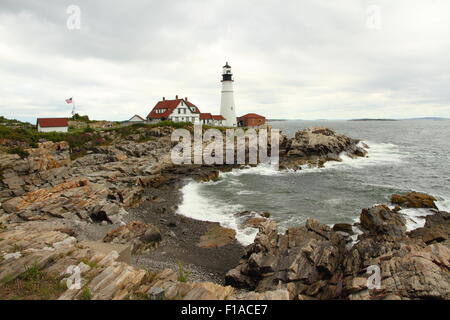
point(408, 155)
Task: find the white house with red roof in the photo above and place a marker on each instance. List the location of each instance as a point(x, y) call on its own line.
point(218, 120)
point(52, 125)
point(212, 120)
point(206, 118)
point(177, 110)
point(182, 110)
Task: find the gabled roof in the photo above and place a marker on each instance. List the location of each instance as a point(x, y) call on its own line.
point(218, 117)
point(52, 122)
point(205, 116)
point(193, 107)
point(251, 115)
point(169, 106)
point(138, 116)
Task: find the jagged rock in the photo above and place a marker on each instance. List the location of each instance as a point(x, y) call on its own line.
point(323, 142)
point(91, 159)
point(253, 222)
point(136, 232)
point(209, 176)
point(436, 229)
point(155, 293)
point(301, 257)
point(314, 262)
point(414, 200)
point(217, 236)
point(72, 200)
point(408, 269)
point(343, 227)
point(381, 220)
point(437, 219)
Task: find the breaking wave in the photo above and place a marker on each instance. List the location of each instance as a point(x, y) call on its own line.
point(198, 206)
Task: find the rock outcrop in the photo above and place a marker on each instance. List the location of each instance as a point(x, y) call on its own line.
point(305, 261)
point(315, 261)
point(414, 200)
point(135, 232)
point(62, 214)
point(217, 236)
point(381, 220)
point(315, 146)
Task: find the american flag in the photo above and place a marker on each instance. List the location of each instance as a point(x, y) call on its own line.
point(69, 100)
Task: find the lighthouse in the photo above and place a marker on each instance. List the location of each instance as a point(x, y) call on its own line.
point(227, 108)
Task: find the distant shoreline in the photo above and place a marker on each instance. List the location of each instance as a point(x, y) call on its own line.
point(373, 120)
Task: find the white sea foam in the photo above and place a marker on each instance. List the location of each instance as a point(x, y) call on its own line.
point(443, 205)
point(199, 207)
point(378, 154)
point(262, 169)
point(415, 218)
point(247, 192)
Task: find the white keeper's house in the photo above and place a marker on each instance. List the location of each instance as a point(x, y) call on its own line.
point(181, 110)
point(52, 125)
point(177, 110)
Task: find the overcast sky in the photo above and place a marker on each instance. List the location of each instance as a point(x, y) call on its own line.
point(291, 59)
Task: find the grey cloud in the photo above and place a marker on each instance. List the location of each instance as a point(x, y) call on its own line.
point(316, 58)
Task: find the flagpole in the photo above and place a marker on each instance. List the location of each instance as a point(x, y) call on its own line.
point(73, 109)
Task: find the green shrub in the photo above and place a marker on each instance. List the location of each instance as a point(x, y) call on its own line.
point(77, 117)
point(86, 294)
point(32, 273)
point(19, 151)
point(183, 276)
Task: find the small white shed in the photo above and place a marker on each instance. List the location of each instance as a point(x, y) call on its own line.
point(52, 125)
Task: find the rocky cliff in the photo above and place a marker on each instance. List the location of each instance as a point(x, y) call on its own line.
point(315, 146)
point(316, 261)
point(61, 213)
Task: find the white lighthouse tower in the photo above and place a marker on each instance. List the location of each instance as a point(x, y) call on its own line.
point(227, 108)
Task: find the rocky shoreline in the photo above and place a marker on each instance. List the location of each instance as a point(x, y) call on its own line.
point(316, 261)
point(111, 214)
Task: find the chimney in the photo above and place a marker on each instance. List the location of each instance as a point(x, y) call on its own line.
point(176, 97)
point(186, 99)
point(164, 98)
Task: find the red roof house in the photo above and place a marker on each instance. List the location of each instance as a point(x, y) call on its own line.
point(175, 110)
point(251, 120)
point(52, 124)
point(208, 118)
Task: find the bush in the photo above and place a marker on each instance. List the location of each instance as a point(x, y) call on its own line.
point(86, 294)
point(183, 276)
point(77, 117)
point(19, 151)
point(32, 273)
